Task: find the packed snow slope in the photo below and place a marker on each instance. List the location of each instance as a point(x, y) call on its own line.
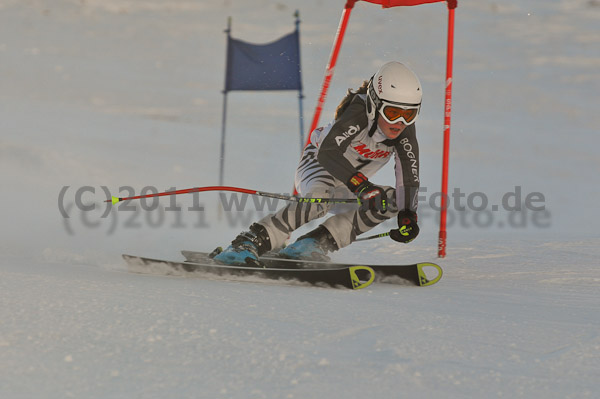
point(115, 97)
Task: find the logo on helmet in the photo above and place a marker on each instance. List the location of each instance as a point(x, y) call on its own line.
point(380, 84)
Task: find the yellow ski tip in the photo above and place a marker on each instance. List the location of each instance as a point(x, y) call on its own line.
point(115, 200)
point(423, 280)
point(357, 282)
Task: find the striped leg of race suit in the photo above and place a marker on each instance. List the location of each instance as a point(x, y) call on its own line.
point(348, 221)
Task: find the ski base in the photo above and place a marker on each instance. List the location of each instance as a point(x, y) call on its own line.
point(413, 273)
point(352, 277)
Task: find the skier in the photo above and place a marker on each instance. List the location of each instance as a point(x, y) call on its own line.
point(372, 124)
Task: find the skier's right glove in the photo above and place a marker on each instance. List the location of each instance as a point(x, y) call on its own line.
point(370, 196)
point(408, 229)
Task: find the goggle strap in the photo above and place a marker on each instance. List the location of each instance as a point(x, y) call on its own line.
point(374, 125)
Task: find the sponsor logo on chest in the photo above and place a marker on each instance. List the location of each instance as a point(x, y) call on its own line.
point(352, 130)
point(363, 150)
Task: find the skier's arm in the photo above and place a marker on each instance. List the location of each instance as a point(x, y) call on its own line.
point(331, 156)
point(333, 147)
point(407, 170)
point(407, 186)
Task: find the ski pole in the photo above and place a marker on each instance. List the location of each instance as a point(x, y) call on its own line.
point(293, 198)
point(373, 237)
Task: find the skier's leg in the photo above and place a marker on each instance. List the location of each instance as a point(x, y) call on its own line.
point(312, 181)
point(339, 231)
point(281, 224)
point(271, 232)
point(345, 227)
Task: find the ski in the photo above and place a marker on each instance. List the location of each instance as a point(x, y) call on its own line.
point(348, 276)
point(413, 273)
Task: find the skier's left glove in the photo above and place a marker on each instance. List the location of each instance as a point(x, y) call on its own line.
point(369, 195)
point(408, 229)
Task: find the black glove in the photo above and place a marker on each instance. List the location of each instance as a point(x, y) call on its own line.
point(370, 196)
point(408, 229)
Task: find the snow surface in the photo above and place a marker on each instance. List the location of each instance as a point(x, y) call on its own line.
point(128, 93)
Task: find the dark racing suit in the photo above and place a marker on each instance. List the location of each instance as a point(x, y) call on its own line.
point(335, 154)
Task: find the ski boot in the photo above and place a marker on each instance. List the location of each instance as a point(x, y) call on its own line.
point(311, 246)
point(246, 248)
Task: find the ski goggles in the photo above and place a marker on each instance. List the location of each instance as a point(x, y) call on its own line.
point(394, 113)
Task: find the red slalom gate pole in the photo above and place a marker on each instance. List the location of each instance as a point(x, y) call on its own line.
point(447, 120)
point(337, 45)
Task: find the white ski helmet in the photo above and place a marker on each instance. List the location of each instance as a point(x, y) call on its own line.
point(395, 93)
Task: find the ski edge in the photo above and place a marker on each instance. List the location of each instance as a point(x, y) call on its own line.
point(350, 280)
point(418, 278)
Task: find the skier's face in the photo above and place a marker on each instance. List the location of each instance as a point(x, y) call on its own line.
point(390, 130)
